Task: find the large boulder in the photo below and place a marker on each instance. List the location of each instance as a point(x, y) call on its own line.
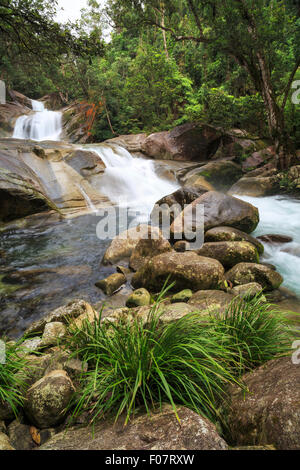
point(160, 431)
point(230, 253)
point(256, 186)
point(187, 142)
point(187, 270)
point(230, 234)
point(47, 399)
point(147, 249)
point(221, 174)
point(243, 273)
point(123, 245)
point(219, 209)
point(270, 413)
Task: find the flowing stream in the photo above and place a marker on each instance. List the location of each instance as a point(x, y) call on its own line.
point(280, 215)
point(42, 125)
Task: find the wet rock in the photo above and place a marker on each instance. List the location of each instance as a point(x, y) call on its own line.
point(182, 296)
point(4, 442)
point(112, 283)
point(210, 300)
point(138, 298)
point(123, 245)
point(230, 234)
point(53, 332)
point(270, 413)
point(219, 209)
point(187, 270)
point(19, 436)
point(247, 291)
point(243, 273)
point(187, 142)
point(255, 186)
point(275, 238)
point(64, 314)
point(181, 246)
point(160, 431)
point(47, 399)
point(123, 270)
point(220, 174)
point(230, 253)
point(147, 249)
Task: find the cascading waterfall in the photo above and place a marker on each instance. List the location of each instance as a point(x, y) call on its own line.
point(42, 125)
point(131, 182)
point(280, 215)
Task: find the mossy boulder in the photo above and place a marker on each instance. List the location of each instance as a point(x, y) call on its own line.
point(230, 253)
point(187, 270)
point(230, 234)
point(221, 174)
point(182, 296)
point(138, 298)
point(243, 273)
point(210, 300)
point(147, 249)
point(112, 283)
point(47, 399)
point(247, 291)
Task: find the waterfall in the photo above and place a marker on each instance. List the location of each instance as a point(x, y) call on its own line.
point(88, 200)
point(280, 215)
point(42, 125)
point(131, 182)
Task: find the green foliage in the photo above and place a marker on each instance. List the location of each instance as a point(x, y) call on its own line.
point(12, 385)
point(133, 364)
point(258, 332)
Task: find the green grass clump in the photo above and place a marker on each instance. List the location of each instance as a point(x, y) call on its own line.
point(258, 332)
point(133, 364)
point(12, 385)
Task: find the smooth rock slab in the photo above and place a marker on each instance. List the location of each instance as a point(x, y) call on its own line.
point(187, 270)
point(161, 431)
point(270, 413)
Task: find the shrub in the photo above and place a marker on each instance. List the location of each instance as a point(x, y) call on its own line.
point(258, 332)
point(12, 385)
point(133, 364)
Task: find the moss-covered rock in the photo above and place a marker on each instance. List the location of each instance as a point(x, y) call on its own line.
point(243, 273)
point(47, 399)
point(112, 283)
point(230, 253)
point(138, 298)
point(210, 300)
point(247, 291)
point(230, 234)
point(187, 270)
point(147, 249)
point(182, 296)
point(220, 174)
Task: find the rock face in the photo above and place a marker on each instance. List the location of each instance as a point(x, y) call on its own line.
point(47, 399)
point(230, 253)
point(147, 249)
point(221, 174)
point(188, 270)
point(123, 245)
point(187, 142)
point(160, 431)
point(243, 273)
point(219, 209)
point(229, 234)
point(270, 413)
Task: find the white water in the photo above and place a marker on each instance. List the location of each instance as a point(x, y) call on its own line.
point(131, 182)
point(42, 125)
point(88, 200)
point(281, 215)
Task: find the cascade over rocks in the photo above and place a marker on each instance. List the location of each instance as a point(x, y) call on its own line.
point(188, 270)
